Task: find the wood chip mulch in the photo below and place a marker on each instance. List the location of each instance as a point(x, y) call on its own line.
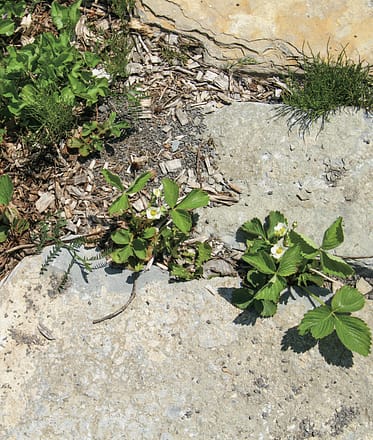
point(166, 135)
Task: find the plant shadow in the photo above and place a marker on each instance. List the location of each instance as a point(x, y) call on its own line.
point(330, 347)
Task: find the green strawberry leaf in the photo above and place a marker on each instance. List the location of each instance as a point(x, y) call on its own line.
point(319, 322)
point(120, 205)
point(171, 192)
point(308, 247)
point(149, 232)
point(122, 236)
point(290, 261)
point(139, 248)
point(112, 179)
point(203, 253)
point(333, 236)
point(195, 199)
point(261, 261)
point(271, 291)
point(333, 265)
point(242, 297)
point(265, 308)
point(139, 183)
point(274, 218)
point(254, 228)
point(182, 220)
point(353, 333)
point(256, 279)
point(120, 256)
point(347, 300)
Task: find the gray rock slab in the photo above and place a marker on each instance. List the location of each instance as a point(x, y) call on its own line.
point(312, 178)
point(180, 363)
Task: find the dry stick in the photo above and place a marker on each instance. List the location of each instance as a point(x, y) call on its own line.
point(124, 307)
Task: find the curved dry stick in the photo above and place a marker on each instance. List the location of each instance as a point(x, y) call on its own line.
point(124, 307)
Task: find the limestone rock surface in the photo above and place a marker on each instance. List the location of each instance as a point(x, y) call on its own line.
point(266, 31)
point(180, 363)
point(312, 178)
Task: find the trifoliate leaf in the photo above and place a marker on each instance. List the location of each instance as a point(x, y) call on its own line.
point(308, 247)
point(290, 261)
point(120, 205)
point(254, 228)
point(353, 333)
point(171, 192)
point(271, 291)
point(6, 189)
point(139, 183)
point(122, 236)
point(333, 265)
point(274, 218)
point(182, 220)
point(112, 179)
point(261, 261)
point(347, 299)
point(333, 236)
point(319, 322)
point(242, 298)
point(195, 199)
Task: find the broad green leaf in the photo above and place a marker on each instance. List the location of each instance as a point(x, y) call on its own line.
point(254, 228)
point(6, 189)
point(195, 199)
point(120, 205)
point(149, 232)
point(139, 248)
point(242, 298)
point(121, 255)
point(333, 236)
point(139, 183)
point(112, 179)
point(308, 247)
point(347, 299)
point(265, 308)
point(273, 219)
point(319, 322)
point(182, 220)
point(122, 236)
point(256, 279)
point(333, 265)
point(271, 291)
point(7, 27)
point(203, 253)
point(258, 244)
point(171, 192)
point(261, 261)
point(290, 261)
point(353, 333)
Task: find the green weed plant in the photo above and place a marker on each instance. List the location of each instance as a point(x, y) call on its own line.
point(278, 257)
point(158, 232)
point(326, 85)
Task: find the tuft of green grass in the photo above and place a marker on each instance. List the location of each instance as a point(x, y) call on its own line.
point(327, 84)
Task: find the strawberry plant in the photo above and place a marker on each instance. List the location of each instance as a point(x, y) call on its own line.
point(279, 257)
point(160, 230)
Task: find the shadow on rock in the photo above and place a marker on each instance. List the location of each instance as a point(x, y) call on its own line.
point(330, 348)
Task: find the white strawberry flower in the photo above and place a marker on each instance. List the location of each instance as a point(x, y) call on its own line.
point(280, 229)
point(153, 213)
point(278, 250)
